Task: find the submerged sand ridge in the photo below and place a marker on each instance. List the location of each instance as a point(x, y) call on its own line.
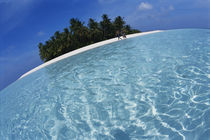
point(83, 49)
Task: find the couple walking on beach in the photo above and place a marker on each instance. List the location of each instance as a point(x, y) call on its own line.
point(119, 34)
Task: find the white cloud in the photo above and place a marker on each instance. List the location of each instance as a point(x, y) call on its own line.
point(202, 3)
point(4, 1)
point(3, 59)
point(13, 12)
point(171, 8)
point(167, 9)
point(106, 1)
point(145, 6)
point(14, 8)
point(41, 33)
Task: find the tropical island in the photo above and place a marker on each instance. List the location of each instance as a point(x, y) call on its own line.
point(78, 35)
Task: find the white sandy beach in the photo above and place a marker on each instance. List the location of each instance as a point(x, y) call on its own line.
point(83, 49)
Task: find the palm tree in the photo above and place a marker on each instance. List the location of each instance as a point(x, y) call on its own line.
point(78, 35)
point(119, 23)
point(106, 27)
point(93, 24)
point(75, 25)
point(96, 34)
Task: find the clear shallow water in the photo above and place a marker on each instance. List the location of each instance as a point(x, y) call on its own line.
point(151, 87)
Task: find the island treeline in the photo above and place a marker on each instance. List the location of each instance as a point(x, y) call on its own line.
point(79, 35)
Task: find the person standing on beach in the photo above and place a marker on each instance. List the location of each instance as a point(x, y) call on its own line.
point(123, 34)
point(118, 35)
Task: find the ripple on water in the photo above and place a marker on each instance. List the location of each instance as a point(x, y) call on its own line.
point(154, 87)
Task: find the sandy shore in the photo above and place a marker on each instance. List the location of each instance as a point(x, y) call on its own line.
point(83, 49)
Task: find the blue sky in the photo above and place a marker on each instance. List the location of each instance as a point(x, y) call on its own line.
point(25, 23)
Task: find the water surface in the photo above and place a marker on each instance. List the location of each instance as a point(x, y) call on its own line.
point(150, 87)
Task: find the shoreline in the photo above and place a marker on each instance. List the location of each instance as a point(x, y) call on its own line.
point(83, 49)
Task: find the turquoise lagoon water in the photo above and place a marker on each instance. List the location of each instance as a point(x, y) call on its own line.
point(150, 87)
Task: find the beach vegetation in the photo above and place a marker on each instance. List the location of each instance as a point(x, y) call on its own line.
point(78, 35)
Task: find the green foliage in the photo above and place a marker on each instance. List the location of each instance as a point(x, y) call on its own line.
point(79, 35)
point(119, 23)
point(107, 27)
